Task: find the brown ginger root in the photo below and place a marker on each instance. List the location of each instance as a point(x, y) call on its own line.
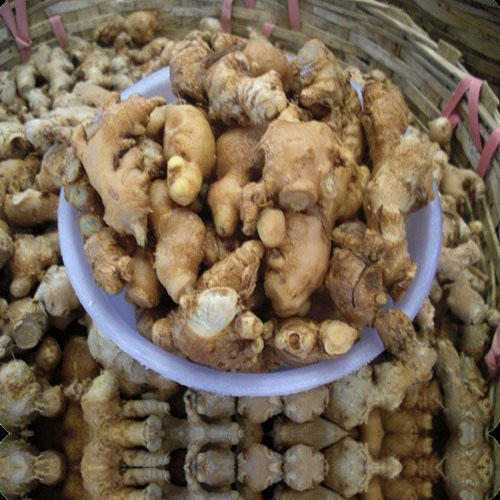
point(115, 163)
point(239, 271)
point(236, 158)
point(180, 236)
point(114, 433)
point(18, 174)
point(411, 488)
point(468, 305)
point(32, 256)
point(425, 397)
point(453, 261)
point(318, 493)
point(383, 385)
point(133, 378)
point(6, 243)
point(297, 268)
point(236, 97)
point(213, 405)
point(144, 289)
point(325, 88)
point(22, 467)
point(385, 119)
point(355, 275)
point(272, 227)
point(440, 131)
point(57, 295)
point(468, 467)
point(307, 405)
point(50, 177)
point(351, 467)
point(25, 322)
point(210, 328)
point(13, 143)
point(318, 433)
point(259, 467)
point(189, 148)
point(140, 26)
point(259, 409)
point(388, 200)
point(217, 248)
point(23, 397)
point(31, 208)
point(459, 182)
point(298, 166)
point(111, 265)
point(298, 341)
point(56, 126)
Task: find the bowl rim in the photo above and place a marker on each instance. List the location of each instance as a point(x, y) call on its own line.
point(185, 372)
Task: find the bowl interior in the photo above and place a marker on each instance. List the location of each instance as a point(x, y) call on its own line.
point(115, 316)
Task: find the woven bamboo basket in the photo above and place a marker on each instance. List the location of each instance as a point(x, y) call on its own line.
point(366, 33)
point(473, 26)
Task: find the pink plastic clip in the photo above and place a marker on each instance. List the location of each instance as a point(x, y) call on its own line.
point(18, 26)
point(267, 29)
point(473, 85)
point(226, 13)
point(493, 357)
point(59, 31)
point(294, 14)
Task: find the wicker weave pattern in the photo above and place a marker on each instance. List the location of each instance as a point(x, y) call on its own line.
point(366, 33)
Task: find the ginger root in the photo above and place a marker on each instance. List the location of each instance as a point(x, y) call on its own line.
point(384, 385)
point(297, 267)
point(23, 397)
point(351, 467)
point(299, 159)
point(111, 265)
point(31, 208)
point(392, 193)
point(22, 467)
point(180, 236)
point(468, 466)
point(6, 243)
point(56, 293)
point(236, 159)
point(13, 143)
point(32, 256)
point(115, 163)
point(189, 148)
point(25, 323)
point(298, 341)
point(133, 378)
point(355, 276)
point(211, 328)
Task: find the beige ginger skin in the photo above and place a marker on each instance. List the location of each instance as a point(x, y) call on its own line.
point(114, 164)
point(236, 159)
point(297, 267)
point(189, 148)
point(180, 236)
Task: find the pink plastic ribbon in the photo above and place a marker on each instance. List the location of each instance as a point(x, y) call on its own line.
point(59, 31)
point(267, 29)
point(18, 26)
point(225, 17)
point(473, 85)
point(489, 150)
point(294, 14)
point(493, 357)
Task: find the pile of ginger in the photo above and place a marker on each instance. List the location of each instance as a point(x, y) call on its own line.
point(377, 433)
point(241, 219)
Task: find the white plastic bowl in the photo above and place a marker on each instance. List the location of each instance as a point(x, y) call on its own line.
point(115, 316)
